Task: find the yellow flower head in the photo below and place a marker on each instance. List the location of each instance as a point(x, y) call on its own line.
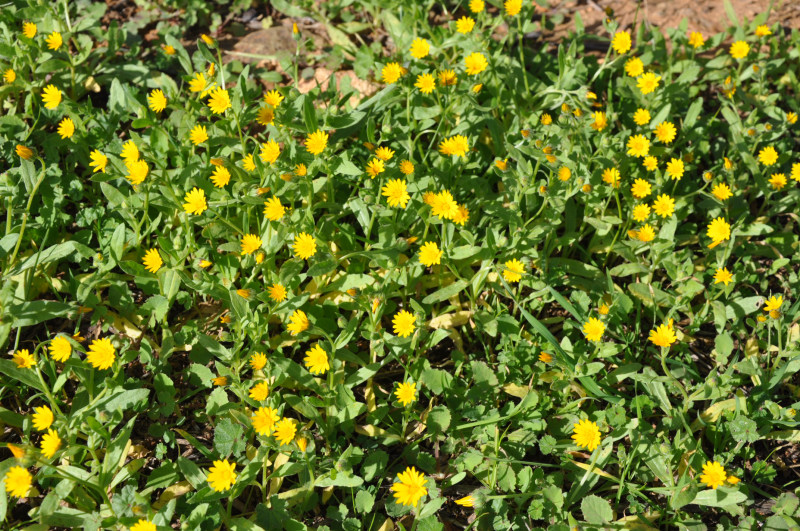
point(457, 145)
point(9, 75)
point(410, 487)
point(768, 156)
point(586, 434)
point(250, 243)
point(60, 349)
point(299, 322)
point(406, 393)
point(564, 173)
point(269, 152)
point(198, 83)
point(198, 134)
point(675, 169)
point(475, 63)
point(739, 50)
point(18, 481)
point(137, 171)
point(641, 189)
point(23, 359)
point(24, 152)
point(277, 292)
point(600, 121)
point(621, 42)
point(646, 234)
point(273, 209)
point(143, 525)
point(429, 254)
point(513, 270)
point(640, 212)
point(773, 304)
point(718, 230)
point(316, 360)
point(260, 391)
point(634, 67)
point(696, 39)
point(304, 246)
point(264, 420)
point(42, 418)
point(723, 275)
point(130, 153)
point(544, 357)
point(722, 191)
point(763, 30)
point(195, 201)
point(157, 101)
point(663, 335)
point(285, 430)
point(51, 97)
point(593, 329)
point(465, 24)
point(51, 442)
point(403, 322)
point(396, 193)
point(420, 48)
point(220, 101)
point(641, 117)
point(650, 163)
point(220, 176)
point(665, 132)
point(407, 167)
point(648, 82)
point(638, 146)
point(476, 6)
point(316, 142)
point(152, 261)
point(513, 7)
point(29, 29)
point(101, 354)
point(713, 474)
point(222, 475)
point(54, 41)
point(447, 78)
point(777, 181)
point(392, 72)
point(258, 361)
point(273, 98)
point(425, 83)
point(664, 206)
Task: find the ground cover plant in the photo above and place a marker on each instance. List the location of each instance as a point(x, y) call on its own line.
point(514, 286)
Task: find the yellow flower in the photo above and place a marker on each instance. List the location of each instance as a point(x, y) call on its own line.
point(593, 329)
point(763, 30)
point(248, 163)
point(51, 97)
point(18, 480)
point(425, 83)
point(722, 192)
point(285, 430)
point(316, 142)
point(513, 270)
point(447, 78)
point(586, 434)
point(768, 156)
point(475, 63)
point(130, 153)
point(264, 420)
point(465, 24)
point(277, 292)
point(300, 170)
point(713, 474)
point(195, 201)
point(221, 176)
point(250, 243)
point(258, 361)
point(664, 206)
point(260, 391)
point(621, 42)
point(403, 322)
point(29, 29)
point(461, 216)
point(513, 7)
point(221, 476)
point(457, 145)
point(220, 101)
point(718, 230)
point(50, 444)
point(375, 167)
point(564, 173)
point(420, 48)
point(101, 354)
point(23, 359)
point(384, 153)
point(206, 39)
point(304, 246)
point(773, 304)
point(663, 335)
point(406, 393)
point(641, 188)
point(24, 152)
point(198, 83)
point(646, 234)
point(502, 165)
point(137, 171)
point(54, 41)
point(739, 50)
point(476, 6)
point(650, 163)
point(198, 134)
point(169, 50)
point(143, 525)
point(269, 152)
point(392, 72)
point(396, 193)
point(778, 181)
point(696, 39)
point(544, 357)
point(638, 146)
point(410, 486)
point(665, 132)
point(611, 176)
point(634, 67)
point(600, 121)
point(641, 212)
point(316, 360)
point(273, 98)
point(9, 75)
point(42, 418)
point(443, 205)
point(466, 501)
point(152, 261)
point(157, 101)
point(299, 322)
point(220, 380)
point(60, 349)
point(648, 82)
point(265, 115)
point(429, 254)
point(273, 209)
point(791, 117)
point(407, 168)
point(675, 169)
point(723, 275)
point(641, 117)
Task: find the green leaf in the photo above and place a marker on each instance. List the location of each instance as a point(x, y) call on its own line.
point(228, 437)
point(720, 497)
point(364, 501)
point(35, 312)
point(374, 464)
point(191, 472)
point(52, 254)
point(309, 114)
point(446, 292)
point(744, 430)
point(596, 510)
point(26, 376)
point(438, 420)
